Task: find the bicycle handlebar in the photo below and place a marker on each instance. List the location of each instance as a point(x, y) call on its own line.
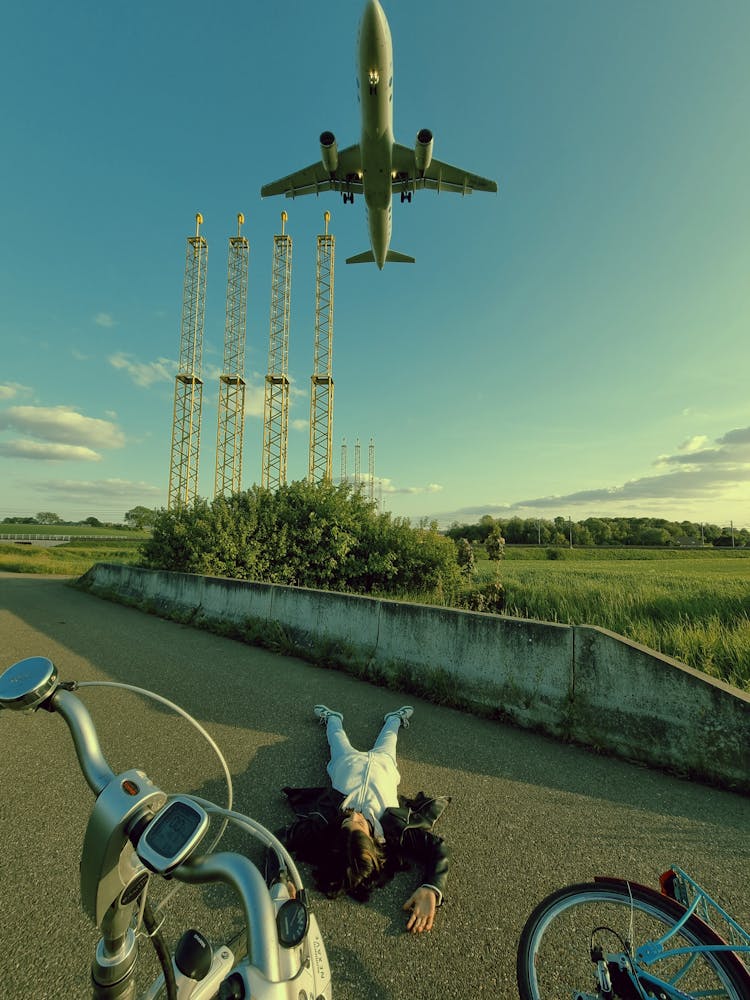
point(95, 768)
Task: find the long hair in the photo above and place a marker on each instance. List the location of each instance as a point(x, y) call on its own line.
point(355, 864)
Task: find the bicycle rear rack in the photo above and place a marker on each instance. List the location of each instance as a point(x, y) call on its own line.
point(681, 887)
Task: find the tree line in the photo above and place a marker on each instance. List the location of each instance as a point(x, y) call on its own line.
point(139, 518)
point(644, 531)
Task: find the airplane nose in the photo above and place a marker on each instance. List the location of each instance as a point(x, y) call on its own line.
point(372, 16)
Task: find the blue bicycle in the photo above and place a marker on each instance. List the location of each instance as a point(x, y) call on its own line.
point(618, 940)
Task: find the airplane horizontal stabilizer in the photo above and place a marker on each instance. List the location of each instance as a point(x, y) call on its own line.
point(394, 257)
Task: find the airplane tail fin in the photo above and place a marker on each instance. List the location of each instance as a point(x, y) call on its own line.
point(392, 257)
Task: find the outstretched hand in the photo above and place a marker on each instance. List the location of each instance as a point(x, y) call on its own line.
point(422, 903)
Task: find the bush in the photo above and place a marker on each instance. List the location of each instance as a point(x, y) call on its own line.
point(495, 546)
point(309, 535)
point(465, 556)
point(489, 598)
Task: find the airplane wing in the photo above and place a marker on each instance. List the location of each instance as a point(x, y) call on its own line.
point(315, 178)
point(437, 177)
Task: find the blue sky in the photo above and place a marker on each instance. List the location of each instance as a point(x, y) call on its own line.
point(577, 344)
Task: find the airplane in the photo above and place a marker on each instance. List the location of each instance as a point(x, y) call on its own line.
point(378, 167)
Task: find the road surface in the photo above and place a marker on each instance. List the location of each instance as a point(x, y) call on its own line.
point(528, 814)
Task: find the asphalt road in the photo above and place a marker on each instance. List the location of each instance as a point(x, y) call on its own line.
point(527, 815)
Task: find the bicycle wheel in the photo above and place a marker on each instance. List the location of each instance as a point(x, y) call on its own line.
point(554, 952)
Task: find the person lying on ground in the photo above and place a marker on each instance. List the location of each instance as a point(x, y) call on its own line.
point(360, 831)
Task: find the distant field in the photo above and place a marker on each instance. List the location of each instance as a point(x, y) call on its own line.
point(71, 559)
point(692, 605)
point(67, 529)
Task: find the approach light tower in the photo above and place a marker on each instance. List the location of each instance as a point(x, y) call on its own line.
point(231, 423)
point(344, 474)
point(357, 466)
point(320, 466)
point(188, 389)
point(276, 405)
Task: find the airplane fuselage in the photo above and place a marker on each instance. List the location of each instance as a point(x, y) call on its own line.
point(375, 85)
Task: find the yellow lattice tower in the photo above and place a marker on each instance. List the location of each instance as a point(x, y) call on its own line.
point(371, 469)
point(276, 404)
point(231, 424)
point(188, 388)
point(320, 466)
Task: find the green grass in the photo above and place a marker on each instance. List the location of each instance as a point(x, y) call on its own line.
point(694, 606)
point(71, 559)
point(68, 529)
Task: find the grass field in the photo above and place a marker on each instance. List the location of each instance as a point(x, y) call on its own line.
point(71, 559)
point(692, 605)
point(67, 529)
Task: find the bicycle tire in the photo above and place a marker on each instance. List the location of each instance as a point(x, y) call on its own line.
point(553, 959)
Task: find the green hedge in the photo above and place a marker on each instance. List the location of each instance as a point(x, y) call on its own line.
point(309, 535)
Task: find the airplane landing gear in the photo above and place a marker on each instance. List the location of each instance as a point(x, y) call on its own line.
point(348, 196)
point(406, 196)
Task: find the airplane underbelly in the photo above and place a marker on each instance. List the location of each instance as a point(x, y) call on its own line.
point(376, 167)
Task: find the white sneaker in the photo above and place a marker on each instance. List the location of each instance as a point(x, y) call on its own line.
point(404, 713)
point(324, 714)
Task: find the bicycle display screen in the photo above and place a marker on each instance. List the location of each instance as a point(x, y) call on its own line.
point(173, 835)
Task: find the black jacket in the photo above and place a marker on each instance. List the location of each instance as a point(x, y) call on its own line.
point(408, 830)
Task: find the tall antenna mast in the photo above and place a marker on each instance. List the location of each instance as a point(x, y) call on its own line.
point(188, 388)
point(321, 387)
point(231, 422)
point(276, 404)
point(344, 474)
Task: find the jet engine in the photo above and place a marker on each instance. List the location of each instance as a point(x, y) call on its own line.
point(329, 154)
point(423, 150)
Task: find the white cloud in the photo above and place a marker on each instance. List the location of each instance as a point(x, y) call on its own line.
point(145, 373)
point(104, 319)
point(300, 425)
point(63, 425)
point(694, 472)
point(97, 490)
point(254, 399)
point(46, 451)
point(387, 486)
point(12, 389)
point(694, 443)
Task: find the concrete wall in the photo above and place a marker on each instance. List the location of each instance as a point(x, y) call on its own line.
point(577, 682)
